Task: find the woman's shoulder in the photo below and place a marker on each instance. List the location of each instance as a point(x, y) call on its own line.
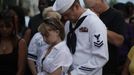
point(21, 43)
point(61, 46)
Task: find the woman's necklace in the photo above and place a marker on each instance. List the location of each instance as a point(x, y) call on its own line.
point(5, 48)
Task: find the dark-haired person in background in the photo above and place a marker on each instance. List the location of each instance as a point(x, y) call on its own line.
point(12, 47)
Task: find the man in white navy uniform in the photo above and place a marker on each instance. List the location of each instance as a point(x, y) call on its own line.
point(86, 37)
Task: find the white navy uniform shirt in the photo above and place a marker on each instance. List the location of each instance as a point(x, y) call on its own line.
point(36, 47)
point(91, 48)
point(59, 56)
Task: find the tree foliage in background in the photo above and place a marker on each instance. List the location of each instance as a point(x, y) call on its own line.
point(112, 2)
point(1, 4)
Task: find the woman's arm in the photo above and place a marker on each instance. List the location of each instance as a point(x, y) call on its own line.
point(32, 67)
point(27, 35)
point(21, 57)
point(57, 71)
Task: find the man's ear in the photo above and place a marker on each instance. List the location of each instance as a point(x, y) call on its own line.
point(57, 31)
point(77, 5)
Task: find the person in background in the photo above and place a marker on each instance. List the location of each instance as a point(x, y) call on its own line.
point(129, 65)
point(86, 37)
point(27, 16)
point(130, 10)
point(127, 10)
point(57, 58)
point(36, 20)
point(19, 22)
point(129, 33)
point(131, 21)
point(21, 30)
point(37, 46)
point(13, 49)
point(115, 31)
point(130, 7)
point(48, 12)
point(19, 19)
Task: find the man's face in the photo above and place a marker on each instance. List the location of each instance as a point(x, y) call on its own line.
point(70, 14)
point(42, 4)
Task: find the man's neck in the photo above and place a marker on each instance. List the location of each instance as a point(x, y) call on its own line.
point(81, 12)
point(104, 8)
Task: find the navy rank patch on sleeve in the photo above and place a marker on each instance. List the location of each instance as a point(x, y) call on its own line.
point(98, 42)
point(83, 29)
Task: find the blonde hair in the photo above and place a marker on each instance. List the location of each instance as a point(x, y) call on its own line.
point(48, 11)
point(54, 24)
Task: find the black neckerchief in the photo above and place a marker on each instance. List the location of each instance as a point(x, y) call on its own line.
point(71, 36)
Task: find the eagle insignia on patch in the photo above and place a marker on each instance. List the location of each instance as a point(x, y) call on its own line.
point(98, 43)
point(83, 29)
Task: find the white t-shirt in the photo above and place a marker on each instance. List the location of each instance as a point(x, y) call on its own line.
point(59, 56)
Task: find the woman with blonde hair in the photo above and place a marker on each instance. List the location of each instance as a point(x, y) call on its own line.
point(57, 58)
point(37, 46)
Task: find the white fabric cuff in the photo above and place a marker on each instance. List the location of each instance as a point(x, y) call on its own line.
point(74, 72)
